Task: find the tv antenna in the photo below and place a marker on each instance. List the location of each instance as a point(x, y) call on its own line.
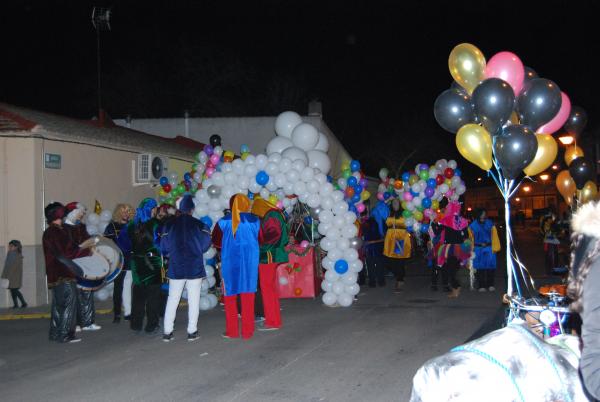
point(101, 22)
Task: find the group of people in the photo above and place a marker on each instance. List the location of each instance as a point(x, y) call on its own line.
point(161, 245)
point(453, 242)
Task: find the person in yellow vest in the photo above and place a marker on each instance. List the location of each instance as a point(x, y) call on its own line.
point(397, 245)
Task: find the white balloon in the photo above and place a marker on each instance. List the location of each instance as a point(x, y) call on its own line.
point(313, 200)
point(351, 255)
point(352, 290)
point(298, 165)
point(210, 270)
point(93, 219)
point(338, 221)
point(204, 285)
point(455, 181)
point(250, 159)
point(460, 190)
point(444, 188)
point(264, 193)
point(272, 168)
point(329, 298)
point(214, 205)
point(333, 233)
point(105, 216)
point(288, 189)
point(283, 280)
point(250, 171)
point(313, 186)
point(200, 210)
point(342, 183)
point(323, 143)
point(349, 278)
point(303, 197)
point(452, 164)
point(292, 176)
point(340, 207)
point(327, 262)
point(211, 281)
point(349, 231)
point(345, 300)
point(327, 286)
point(202, 157)
point(243, 182)
point(231, 178)
point(213, 300)
point(323, 228)
point(285, 164)
point(261, 161)
point(92, 229)
point(326, 243)
point(326, 202)
point(305, 136)
point(204, 303)
point(294, 154)
point(335, 254)
point(338, 288)
point(271, 186)
point(218, 179)
point(337, 196)
point(332, 276)
point(226, 167)
point(238, 166)
point(254, 187)
point(319, 160)
point(299, 187)
point(343, 244)
point(218, 150)
point(355, 266)
point(326, 189)
point(275, 158)
point(321, 178)
point(280, 180)
point(307, 174)
point(410, 206)
point(326, 216)
point(286, 122)
point(102, 227)
point(278, 145)
point(349, 217)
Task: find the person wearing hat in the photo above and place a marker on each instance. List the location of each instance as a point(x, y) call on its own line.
point(272, 238)
point(236, 235)
point(61, 274)
point(13, 272)
point(185, 239)
point(86, 310)
point(141, 241)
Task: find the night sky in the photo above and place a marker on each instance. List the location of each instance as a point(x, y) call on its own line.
point(376, 66)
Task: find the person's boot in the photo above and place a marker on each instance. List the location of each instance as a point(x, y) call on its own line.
point(454, 293)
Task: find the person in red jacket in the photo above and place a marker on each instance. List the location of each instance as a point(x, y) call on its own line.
point(272, 239)
point(61, 274)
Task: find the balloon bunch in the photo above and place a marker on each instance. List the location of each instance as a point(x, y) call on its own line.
point(577, 182)
point(285, 179)
point(421, 190)
point(296, 140)
point(354, 185)
point(97, 223)
point(208, 300)
point(503, 115)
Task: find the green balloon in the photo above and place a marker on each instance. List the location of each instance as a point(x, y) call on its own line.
point(424, 174)
point(346, 173)
point(406, 213)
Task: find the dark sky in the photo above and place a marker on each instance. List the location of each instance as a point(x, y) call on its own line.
point(376, 66)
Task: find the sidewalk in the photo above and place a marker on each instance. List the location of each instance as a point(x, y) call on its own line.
point(29, 313)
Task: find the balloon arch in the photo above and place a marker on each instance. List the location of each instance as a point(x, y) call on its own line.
point(294, 170)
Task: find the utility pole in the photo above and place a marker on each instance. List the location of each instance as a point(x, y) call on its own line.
point(101, 22)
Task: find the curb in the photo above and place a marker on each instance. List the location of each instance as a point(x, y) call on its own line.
point(34, 316)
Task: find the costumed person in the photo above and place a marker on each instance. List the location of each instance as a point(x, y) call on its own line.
point(397, 245)
point(273, 237)
point(13, 272)
point(184, 241)
point(236, 235)
point(61, 274)
point(434, 232)
point(165, 213)
point(486, 245)
point(453, 247)
point(122, 283)
point(86, 309)
point(549, 229)
point(374, 235)
point(584, 282)
point(142, 242)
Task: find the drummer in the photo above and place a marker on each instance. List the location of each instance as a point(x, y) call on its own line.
point(86, 310)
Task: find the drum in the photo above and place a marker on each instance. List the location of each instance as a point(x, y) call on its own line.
point(102, 267)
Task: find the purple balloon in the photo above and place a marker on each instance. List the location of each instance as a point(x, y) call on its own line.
point(363, 182)
point(208, 150)
point(423, 166)
point(429, 192)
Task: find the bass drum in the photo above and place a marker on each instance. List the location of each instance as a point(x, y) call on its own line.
point(102, 267)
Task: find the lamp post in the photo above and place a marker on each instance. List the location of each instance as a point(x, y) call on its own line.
point(544, 177)
point(101, 22)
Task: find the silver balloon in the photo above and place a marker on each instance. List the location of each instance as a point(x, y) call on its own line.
point(356, 243)
point(314, 212)
point(213, 191)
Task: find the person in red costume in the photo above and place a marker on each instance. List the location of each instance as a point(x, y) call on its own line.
point(272, 239)
point(61, 274)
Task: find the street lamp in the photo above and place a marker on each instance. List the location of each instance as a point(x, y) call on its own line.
point(566, 139)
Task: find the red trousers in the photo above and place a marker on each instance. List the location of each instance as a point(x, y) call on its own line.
point(231, 315)
point(267, 274)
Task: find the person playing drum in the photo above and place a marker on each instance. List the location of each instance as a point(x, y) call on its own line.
point(86, 310)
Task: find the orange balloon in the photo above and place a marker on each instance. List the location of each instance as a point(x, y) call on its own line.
point(571, 153)
point(398, 184)
point(297, 291)
point(566, 186)
point(589, 192)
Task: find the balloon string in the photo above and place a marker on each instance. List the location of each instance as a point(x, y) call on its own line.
point(524, 271)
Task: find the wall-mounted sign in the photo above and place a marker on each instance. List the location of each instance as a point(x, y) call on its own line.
point(52, 161)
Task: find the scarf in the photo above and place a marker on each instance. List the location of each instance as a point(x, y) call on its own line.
point(260, 207)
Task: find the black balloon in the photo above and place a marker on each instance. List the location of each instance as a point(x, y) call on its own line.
point(581, 171)
point(576, 122)
point(538, 103)
point(514, 149)
point(530, 74)
point(453, 109)
point(493, 102)
point(215, 140)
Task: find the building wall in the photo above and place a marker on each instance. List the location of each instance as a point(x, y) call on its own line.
point(87, 174)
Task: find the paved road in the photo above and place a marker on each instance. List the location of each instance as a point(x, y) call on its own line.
point(367, 352)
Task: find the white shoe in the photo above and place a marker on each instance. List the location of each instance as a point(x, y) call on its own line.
point(482, 289)
point(92, 327)
point(491, 288)
point(78, 329)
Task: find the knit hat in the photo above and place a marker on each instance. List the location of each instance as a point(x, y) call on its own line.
point(54, 211)
point(73, 209)
point(186, 204)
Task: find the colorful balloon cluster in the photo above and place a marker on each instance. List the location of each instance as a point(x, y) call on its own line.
point(503, 114)
point(354, 185)
point(577, 182)
point(421, 190)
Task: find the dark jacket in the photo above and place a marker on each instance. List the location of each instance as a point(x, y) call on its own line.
point(590, 334)
point(58, 245)
point(141, 242)
point(184, 240)
point(13, 269)
point(112, 232)
point(373, 238)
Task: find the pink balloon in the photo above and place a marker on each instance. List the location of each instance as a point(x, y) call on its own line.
point(360, 208)
point(560, 119)
point(304, 244)
point(209, 172)
point(508, 67)
point(280, 204)
point(214, 158)
point(380, 196)
point(407, 196)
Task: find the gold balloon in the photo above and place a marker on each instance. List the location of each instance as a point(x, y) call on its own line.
point(97, 207)
point(475, 144)
point(571, 153)
point(467, 66)
point(566, 186)
point(514, 118)
point(545, 155)
point(588, 192)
